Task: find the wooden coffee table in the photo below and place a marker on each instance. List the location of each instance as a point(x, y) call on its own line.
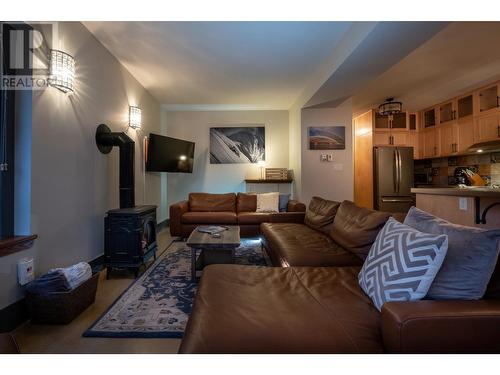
point(214, 250)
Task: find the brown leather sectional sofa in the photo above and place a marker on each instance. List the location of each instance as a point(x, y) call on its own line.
point(227, 209)
point(313, 303)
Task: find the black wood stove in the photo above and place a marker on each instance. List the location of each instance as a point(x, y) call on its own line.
point(130, 231)
point(130, 237)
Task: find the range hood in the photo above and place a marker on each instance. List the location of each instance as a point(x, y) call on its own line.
point(490, 146)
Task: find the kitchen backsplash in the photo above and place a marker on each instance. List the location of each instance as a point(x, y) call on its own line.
point(441, 170)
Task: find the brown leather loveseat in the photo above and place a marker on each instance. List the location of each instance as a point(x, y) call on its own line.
point(314, 304)
point(227, 209)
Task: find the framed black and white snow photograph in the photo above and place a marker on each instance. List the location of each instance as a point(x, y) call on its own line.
point(239, 144)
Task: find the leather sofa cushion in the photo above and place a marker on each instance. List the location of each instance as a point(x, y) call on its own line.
point(205, 202)
point(209, 218)
point(246, 202)
point(320, 214)
point(355, 228)
point(493, 290)
point(298, 245)
point(256, 218)
point(248, 309)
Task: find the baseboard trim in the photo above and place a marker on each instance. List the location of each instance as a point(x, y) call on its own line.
point(163, 225)
point(13, 315)
point(17, 313)
point(97, 263)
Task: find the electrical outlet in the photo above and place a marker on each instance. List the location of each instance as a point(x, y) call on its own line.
point(462, 204)
point(323, 157)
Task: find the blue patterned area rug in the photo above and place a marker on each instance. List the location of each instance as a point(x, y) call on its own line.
point(159, 302)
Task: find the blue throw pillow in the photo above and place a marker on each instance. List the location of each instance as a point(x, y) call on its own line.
point(284, 198)
point(471, 259)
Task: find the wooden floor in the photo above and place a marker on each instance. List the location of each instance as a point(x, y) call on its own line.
point(42, 339)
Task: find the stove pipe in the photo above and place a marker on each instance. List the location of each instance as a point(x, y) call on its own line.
point(105, 140)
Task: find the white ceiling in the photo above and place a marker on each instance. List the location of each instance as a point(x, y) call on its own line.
point(462, 56)
point(261, 65)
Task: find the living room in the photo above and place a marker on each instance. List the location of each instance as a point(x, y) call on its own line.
point(219, 187)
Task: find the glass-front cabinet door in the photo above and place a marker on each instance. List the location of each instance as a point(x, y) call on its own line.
point(465, 106)
point(412, 121)
point(488, 98)
point(399, 121)
point(446, 112)
point(381, 122)
point(429, 118)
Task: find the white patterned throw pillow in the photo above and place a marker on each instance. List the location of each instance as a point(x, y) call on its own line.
point(268, 202)
point(402, 263)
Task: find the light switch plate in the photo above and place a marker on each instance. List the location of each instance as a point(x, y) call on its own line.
point(330, 157)
point(462, 204)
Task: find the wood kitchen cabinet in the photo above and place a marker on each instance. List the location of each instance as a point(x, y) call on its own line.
point(448, 139)
point(363, 159)
point(465, 106)
point(430, 143)
point(399, 121)
point(447, 112)
point(465, 132)
point(381, 122)
point(382, 138)
point(413, 141)
point(487, 127)
point(456, 137)
point(488, 99)
point(392, 138)
point(429, 118)
point(412, 121)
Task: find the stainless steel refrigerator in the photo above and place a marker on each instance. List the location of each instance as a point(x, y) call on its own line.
point(393, 178)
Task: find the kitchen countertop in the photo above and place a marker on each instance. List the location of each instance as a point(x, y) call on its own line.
point(479, 191)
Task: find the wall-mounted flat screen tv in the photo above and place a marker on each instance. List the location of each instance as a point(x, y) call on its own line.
point(166, 154)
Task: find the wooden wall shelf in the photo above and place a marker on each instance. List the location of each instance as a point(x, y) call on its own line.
point(269, 181)
point(14, 244)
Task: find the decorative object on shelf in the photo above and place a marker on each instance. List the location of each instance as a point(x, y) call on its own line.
point(276, 173)
point(62, 71)
point(134, 117)
point(326, 137)
point(233, 145)
point(261, 164)
point(390, 107)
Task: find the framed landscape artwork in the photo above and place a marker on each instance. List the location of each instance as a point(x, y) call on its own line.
point(326, 137)
point(239, 144)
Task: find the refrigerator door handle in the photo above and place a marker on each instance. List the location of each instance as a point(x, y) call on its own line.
point(396, 199)
point(395, 172)
point(400, 167)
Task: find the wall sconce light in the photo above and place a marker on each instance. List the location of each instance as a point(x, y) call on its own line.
point(62, 71)
point(134, 117)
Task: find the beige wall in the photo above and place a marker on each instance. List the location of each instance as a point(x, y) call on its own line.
point(330, 180)
point(220, 178)
point(72, 183)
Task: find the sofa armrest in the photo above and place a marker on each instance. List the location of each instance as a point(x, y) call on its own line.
point(176, 212)
point(287, 217)
point(295, 206)
point(441, 326)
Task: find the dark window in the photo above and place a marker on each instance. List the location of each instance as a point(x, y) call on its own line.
point(7, 119)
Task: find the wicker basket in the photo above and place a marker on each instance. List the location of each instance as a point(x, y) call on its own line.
point(62, 307)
